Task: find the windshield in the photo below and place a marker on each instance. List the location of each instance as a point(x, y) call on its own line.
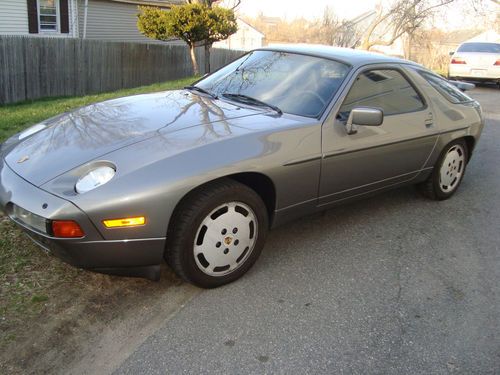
point(297, 84)
point(480, 47)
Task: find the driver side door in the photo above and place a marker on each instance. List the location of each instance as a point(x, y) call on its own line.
point(376, 156)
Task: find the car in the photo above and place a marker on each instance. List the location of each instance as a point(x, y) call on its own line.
point(198, 176)
point(476, 61)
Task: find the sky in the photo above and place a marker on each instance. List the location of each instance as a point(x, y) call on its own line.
point(458, 16)
point(308, 9)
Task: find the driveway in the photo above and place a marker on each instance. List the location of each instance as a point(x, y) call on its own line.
point(389, 285)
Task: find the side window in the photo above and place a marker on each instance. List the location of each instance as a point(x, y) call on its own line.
point(387, 89)
point(446, 89)
point(48, 13)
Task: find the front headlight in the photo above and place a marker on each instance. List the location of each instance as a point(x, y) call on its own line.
point(95, 178)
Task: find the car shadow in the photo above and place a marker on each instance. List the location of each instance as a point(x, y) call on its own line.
point(344, 223)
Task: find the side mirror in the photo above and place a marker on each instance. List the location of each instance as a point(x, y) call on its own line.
point(364, 116)
point(451, 53)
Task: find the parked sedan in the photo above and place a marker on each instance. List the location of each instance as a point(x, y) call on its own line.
point(477, 61)
point(198, 176)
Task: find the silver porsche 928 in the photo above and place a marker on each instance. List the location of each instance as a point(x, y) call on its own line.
point(198, 176)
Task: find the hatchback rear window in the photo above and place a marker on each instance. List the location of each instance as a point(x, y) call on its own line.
point(445, 88)
point(480, 47)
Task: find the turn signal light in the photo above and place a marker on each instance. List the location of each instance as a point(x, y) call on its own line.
point(497, 62)
point(458, 61)
point(66, 229)
point(125, 222)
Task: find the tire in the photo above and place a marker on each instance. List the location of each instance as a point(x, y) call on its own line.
point(448, 172)
point(216, 233)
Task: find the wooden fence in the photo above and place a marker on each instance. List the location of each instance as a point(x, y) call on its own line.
point(34, 67)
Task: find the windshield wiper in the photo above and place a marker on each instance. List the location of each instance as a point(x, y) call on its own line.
point(199, 89)
point(252, 101)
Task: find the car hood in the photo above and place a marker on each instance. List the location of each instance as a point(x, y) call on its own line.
point(92, 132)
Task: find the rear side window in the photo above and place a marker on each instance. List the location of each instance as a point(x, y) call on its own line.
point(387, 89)
point(446, 89)
point(480, 47)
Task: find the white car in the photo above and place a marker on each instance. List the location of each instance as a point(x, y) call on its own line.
point(477, 61)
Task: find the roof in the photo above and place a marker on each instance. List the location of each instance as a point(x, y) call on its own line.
point(458, 36)
point(271, 20)
point(250, 26)
point(347, 55)
point(488, 36)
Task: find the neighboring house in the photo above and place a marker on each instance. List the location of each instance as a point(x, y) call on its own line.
point(450, 41)
point(487, 36)
point(271, 21)
point(89, 19)
point(396, 49)
point(246, 38)
point(50, 17)
point(442, 43)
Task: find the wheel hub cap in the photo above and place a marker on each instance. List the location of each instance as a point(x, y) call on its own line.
point(225, 239)
point(452, 169)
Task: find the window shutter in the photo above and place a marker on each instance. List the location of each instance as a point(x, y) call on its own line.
point(32, 17)
point(63, 11)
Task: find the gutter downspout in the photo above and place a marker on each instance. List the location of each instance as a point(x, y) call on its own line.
point(85, 11)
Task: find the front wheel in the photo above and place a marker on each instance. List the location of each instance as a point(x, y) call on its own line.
point(216, 234)
point(448, 172)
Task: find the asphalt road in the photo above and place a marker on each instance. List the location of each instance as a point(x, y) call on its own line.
point(395, 284)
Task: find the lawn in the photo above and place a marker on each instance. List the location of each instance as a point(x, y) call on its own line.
point(33, 285)
point(16, 117)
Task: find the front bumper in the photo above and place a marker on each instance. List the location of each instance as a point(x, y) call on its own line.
point(133, 257)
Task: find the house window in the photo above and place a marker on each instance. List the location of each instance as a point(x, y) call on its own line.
point(48, 15)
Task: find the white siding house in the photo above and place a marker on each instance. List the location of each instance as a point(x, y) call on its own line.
point(13, 17)
point(89, 19)
point(33, 17)
point(246, 38)
point(115, 19)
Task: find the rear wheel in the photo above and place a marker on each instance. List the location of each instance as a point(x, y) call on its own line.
point(216, 234)
point(448, 172)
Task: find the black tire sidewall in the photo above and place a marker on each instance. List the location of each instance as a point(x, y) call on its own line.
point(234, 193)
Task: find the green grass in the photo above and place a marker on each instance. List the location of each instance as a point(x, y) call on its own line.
point(16, 117)
point(19, 287)
point(27, 275)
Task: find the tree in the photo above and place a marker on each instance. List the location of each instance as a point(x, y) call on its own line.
point(402, 17)
point(229, 4)
point(221, 24)
point(209, 4)
point(336, 32)
point(196, 24)
point(329, 26)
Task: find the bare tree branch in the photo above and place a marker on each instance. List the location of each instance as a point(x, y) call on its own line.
point(403, 17)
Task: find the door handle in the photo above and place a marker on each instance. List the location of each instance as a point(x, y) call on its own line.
point(429, 121)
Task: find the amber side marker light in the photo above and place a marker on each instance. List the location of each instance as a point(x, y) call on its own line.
point(125, 222)
point(66, 229)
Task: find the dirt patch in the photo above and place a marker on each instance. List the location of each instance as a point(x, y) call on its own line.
point(55, 318)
